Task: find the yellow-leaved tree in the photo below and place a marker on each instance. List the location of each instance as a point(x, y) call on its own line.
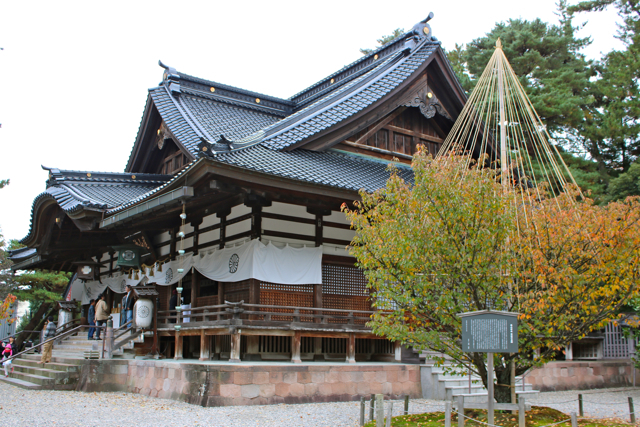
point(453, 241)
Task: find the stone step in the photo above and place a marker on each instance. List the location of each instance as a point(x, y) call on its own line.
point(21, 383)
point(73, 360)
point(43, 371)
point(63, 367)
point(33, 378)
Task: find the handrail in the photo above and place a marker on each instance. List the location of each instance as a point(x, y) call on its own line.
point(335, 310)
point(18, 333)
point(58, 337)
point(64, 327)
point(130, 323)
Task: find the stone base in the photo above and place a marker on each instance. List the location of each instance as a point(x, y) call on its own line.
point(582, 375)
point(221, 384)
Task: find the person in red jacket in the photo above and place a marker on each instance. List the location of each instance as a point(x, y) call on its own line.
point(7, 353)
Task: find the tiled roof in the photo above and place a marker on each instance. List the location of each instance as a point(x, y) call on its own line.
point(74, 191)
point(332, 168)
point(219, 118)
point(349, 100)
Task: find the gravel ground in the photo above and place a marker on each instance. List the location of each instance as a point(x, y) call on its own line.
point(20, 407)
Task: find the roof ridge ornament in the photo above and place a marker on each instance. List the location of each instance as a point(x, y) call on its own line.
point(170, 78)
point(422, 30)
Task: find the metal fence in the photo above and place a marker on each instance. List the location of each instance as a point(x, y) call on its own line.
point(616, 345)
point(8, 326)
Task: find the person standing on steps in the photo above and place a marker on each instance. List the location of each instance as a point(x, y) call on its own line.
point(49, 334)
point(7, 353)
point(102, 314)
point(128, 303)
point(91, 317)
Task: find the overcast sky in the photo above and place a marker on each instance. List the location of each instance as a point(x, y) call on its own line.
point(74, 75)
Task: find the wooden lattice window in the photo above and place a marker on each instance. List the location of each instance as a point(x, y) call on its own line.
point(237, 291)
point(266, 286)
point(205, 301)
point(341, 280)
point(288, 296)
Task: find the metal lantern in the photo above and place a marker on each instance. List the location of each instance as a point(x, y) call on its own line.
point(128, 256)
point(87, 270)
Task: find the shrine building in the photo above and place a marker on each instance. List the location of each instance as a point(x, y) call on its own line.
point(232, 198)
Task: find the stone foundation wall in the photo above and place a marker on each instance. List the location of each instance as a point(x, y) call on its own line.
point(582, 375)
point(251, 384)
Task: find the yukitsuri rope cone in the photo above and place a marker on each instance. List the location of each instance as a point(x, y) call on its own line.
point(499, 128)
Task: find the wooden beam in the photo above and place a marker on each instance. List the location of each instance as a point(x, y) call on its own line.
point(378, 150)
point(410, 132)
point(363, 139)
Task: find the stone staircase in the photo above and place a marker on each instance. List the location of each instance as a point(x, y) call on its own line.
point(438, 384)
point(63, 372)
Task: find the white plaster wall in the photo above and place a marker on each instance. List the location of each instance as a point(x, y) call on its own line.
point(334, 250)
point(209, 220)
point(209, 236)
point(237, 211)
point(338, 233)
point(337, 216)
point(289, 209)
point(240, 227)
point(288, 227)
point(162, 237)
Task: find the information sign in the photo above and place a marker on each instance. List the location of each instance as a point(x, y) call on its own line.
point(489, 332)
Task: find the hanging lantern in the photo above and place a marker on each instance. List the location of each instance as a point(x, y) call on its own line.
point(128, 256)
point(88, 270)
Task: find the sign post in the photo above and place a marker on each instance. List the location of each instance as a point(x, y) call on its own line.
point(489, 332)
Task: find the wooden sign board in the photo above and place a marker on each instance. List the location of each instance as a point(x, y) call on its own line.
point(489, 331)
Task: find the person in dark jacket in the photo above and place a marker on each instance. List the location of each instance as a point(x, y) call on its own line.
point(128, 303)
point(91, 317)
point(47, 348)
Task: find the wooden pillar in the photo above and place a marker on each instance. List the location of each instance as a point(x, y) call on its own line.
point(205, 344)
point(223, 226)
point(195, 290)
point(318, 230)
point(351, 348)
point(178, 352)
point(256, 222)
point(235, 347)
point(221, 293)
point(296, 339)
point(196, 234)
point(112, 258)
point(397, 351)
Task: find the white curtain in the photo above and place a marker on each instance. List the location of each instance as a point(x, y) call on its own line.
point(268, 263)
point(252, 260)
